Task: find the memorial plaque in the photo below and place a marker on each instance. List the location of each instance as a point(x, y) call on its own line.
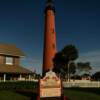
point(50, 85)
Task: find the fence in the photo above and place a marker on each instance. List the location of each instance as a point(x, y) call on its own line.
point(84, 84)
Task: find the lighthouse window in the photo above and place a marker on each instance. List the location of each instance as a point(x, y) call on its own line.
point(9, 60)
point(53, 46)
point(53, 31)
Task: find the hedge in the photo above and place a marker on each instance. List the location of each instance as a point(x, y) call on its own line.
point(18, 85)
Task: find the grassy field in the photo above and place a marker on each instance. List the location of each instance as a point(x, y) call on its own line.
point(8, 95)
point(81, 95)
point(72, 94)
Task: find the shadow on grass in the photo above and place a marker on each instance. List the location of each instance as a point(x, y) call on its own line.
point(89, 90)
point(31, 95)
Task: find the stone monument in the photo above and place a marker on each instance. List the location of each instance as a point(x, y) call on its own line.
point(50, 87)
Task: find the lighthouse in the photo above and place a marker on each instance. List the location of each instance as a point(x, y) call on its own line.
point(49, 36)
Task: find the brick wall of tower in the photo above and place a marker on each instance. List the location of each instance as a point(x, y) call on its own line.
point(49, 41)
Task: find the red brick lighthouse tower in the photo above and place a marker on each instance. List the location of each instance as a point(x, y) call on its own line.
point(49, 36)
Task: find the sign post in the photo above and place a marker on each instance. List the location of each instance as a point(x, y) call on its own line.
point(50, 86)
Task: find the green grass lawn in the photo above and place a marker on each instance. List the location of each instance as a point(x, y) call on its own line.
point(80, 95)
point(72, 94)
point(8, 95)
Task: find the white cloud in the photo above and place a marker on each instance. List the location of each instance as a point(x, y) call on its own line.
point(93, 57)
point(32, 64)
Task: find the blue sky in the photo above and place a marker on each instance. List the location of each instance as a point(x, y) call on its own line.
point(77, 22)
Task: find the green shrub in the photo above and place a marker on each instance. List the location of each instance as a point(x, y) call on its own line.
point(18, 85)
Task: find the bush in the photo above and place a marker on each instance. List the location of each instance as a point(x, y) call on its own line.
point(18, 85)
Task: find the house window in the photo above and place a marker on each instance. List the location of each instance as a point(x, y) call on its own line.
point(9, 60)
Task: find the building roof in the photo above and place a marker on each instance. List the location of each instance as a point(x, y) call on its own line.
point(10, 50)
point(14, 69)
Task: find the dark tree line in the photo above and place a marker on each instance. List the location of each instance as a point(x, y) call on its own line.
point(64, 59)
point(64, 63)
point(96, 76)
point(84, 67)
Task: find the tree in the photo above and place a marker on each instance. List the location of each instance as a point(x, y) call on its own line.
point(62, 59)
point(84, 67)
point(72, 69)
point(96, 76)
point(59, 63)
point(70, 53)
